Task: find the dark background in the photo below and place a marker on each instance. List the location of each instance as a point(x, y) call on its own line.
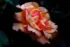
point(59, 11)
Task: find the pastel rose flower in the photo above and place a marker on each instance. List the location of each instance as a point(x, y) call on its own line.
point(35, 21)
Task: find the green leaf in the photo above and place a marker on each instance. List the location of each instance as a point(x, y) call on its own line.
point(3, 38)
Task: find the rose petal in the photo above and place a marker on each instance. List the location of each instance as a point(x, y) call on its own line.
point(43, 40)
point(33, 30)
point(15, 27)
point(18, 6)
point(43, 9)
point(47, 35)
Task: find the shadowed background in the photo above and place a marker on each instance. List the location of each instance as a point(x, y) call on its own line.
point(58, 10)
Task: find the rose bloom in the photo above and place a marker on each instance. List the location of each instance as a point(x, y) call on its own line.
point(35, 21)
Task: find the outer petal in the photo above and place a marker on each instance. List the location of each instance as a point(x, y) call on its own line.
point(18, 6)
point(43, 40)
point(47, 35)
point(43, 9)
point(15, 27)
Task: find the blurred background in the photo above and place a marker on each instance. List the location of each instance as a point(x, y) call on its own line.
point(59, 11)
